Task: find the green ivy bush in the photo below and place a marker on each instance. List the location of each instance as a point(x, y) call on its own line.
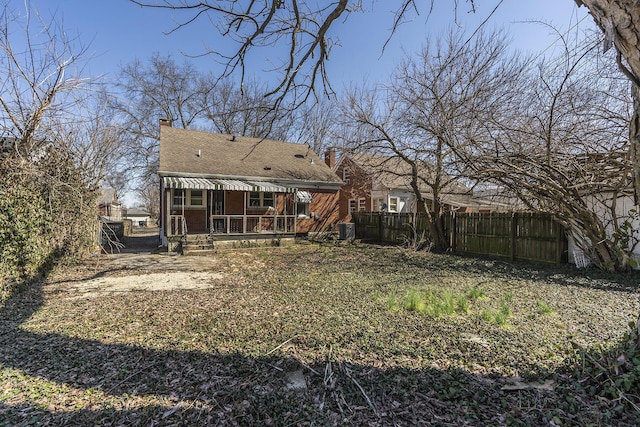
point(46, 211)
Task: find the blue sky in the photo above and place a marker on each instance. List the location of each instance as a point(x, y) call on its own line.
point(119, 31)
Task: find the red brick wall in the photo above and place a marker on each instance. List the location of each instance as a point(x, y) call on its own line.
point(325, 208)
point(359, 186)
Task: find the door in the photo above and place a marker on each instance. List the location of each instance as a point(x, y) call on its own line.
point(216, 207)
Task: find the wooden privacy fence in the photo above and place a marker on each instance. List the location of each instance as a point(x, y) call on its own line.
point(516, 236)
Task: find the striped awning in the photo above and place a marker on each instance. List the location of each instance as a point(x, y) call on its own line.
point(225, 184)
point(303, 196)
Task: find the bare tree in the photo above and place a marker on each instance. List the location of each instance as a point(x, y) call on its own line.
point(149, 197)
point(564, 150)
point(35, 77)
point(161, 89)
point(48, 197)
point(318, 124)
point(432, 111)
point(228, 108)
point(305, 27)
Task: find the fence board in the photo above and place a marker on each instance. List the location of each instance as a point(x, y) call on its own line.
point(516, 236)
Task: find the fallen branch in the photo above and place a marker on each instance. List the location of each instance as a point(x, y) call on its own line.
point(364, 394)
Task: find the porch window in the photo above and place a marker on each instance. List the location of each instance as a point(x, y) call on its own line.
point(196, 198)
point(260, 200)
point(379, 205)
point(267, 199)
point(178, 197)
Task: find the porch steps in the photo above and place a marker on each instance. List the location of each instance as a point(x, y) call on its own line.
point(205, 245)
point(198, 244)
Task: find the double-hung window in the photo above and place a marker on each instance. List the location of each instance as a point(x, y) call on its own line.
point(352, 205)
point(393, 204)
point(261, 200)
point(179, 197)
point(195, 198)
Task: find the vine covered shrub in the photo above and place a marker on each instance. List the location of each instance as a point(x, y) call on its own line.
point(46, 211)
point(23, 230)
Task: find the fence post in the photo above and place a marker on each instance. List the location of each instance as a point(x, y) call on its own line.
point(514, 233)
point(380, 215)
point(453, 233)
point(559, 247)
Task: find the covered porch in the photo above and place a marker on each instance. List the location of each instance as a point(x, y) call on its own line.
point(230, 208)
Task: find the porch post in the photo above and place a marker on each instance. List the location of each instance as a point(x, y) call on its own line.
point(244, 217)
point(167, 212)
point(183, 221)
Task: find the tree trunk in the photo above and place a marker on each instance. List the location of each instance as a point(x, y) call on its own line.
point(634, 139)
point(620, 21)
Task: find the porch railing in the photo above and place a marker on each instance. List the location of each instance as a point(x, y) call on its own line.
point(177, 225)
point(248, 224)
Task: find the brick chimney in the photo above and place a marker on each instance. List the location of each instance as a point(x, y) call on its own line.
point(330, 157)
point(165, 122)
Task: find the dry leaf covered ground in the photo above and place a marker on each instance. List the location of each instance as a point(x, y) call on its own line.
point(310, 335)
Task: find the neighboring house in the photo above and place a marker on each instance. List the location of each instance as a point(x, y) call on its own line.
point(237, 188)
point(108, 205)
point(139, 217)
point(375, 183)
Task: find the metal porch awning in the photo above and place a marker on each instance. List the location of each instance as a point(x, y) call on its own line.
point(224, 184)
point(303, 196)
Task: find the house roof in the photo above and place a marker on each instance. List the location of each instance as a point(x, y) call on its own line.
point(394, 173)
point(192, 153)
point(137, 212)
point(107, 196)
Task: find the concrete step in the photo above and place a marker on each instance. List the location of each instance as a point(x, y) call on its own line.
point(199, 252)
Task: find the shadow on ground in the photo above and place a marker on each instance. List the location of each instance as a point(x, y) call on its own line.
point(141, 240)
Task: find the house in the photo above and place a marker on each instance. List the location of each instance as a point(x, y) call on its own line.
point(376, 183)
point(139, 217)
point(233, 188)
point(108, 205)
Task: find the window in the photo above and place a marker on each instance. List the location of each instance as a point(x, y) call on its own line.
point(178, 197)
point(302, 209)
point(379, 205)
point(346, 175)
point(196, 198)
point(254, 199)
point(393, 204)
point(302, 199)
point(259, 200)
point(181, 197)
point(352, 206)
point(361, 205)
point(267, 199)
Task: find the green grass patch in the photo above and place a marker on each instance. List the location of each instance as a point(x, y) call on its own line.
point(543, 307)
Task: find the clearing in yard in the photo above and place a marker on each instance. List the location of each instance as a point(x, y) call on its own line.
point(314, 335)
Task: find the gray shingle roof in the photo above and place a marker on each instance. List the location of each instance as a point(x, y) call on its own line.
point(202, 154)
point(394, 173)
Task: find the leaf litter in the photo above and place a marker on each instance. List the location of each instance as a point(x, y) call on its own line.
point(236, 336)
